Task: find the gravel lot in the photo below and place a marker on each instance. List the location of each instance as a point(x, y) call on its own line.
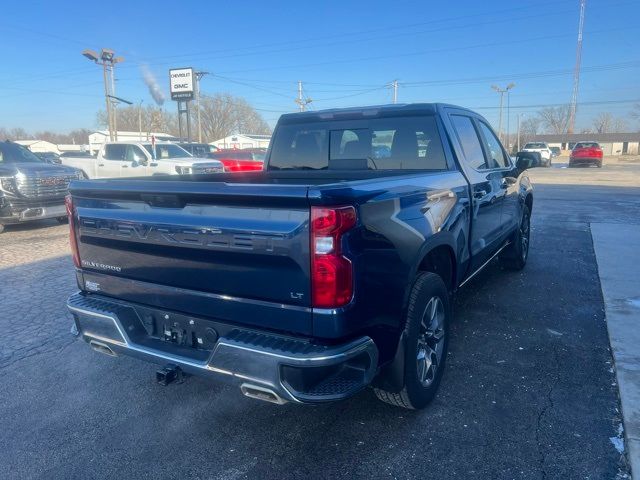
point(529, 390)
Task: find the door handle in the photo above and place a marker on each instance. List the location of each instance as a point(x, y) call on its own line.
point(153, 164)
point(101, 164)
point(479, 193)
point(125, 166)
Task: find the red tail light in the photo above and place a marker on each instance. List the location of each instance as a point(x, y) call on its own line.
point(331, 272)
point(68, 201)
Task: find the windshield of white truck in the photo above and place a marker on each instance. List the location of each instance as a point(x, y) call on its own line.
point(166, 151)
point(14, 153)
point(401, 143)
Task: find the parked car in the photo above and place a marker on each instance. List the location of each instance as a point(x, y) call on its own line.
point(327, 272)
point(555, 151)
point(31, 189)
point(245, 160)
point(140, 159)
point(199, 150)
point(586, 153)
point(49, 157)
point(543, 149)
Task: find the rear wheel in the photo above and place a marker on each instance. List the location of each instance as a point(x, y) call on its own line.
point(426, 336)
point(515, 256)
point(62, 219)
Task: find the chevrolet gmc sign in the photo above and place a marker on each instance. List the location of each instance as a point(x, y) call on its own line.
point(181, 83)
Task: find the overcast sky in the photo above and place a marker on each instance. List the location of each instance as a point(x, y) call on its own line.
point(344, 51)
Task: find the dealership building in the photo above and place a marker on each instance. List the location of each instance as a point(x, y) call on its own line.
point(611, 143)
point(243, 140)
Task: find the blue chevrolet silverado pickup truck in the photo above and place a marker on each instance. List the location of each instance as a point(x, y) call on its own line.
point(332, 270)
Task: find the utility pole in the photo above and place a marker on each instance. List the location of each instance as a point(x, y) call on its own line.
point(107, 100)
point(394, 85)
point(576, 72)
point(302, 102)
point(114, 105)
point(199, 76)
point(502, 91)
point(109, 60)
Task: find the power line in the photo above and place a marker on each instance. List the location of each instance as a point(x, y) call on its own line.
point(397, 55)
point(386, 29)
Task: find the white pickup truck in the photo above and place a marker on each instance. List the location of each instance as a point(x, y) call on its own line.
point(140, 159)
point(543, 149)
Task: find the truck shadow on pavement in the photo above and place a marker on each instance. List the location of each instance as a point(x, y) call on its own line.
point(528, 391)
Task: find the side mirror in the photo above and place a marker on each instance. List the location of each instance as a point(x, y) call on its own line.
point(526, 160)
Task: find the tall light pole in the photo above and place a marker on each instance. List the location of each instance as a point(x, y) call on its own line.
point(502, 91)
point(199, 76)
point(107, 58)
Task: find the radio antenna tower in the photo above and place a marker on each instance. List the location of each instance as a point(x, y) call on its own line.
point(576, 72)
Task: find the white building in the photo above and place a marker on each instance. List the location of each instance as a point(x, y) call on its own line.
point(38, 146)
point(243, 140)
point(611, 143)
point(97, 139)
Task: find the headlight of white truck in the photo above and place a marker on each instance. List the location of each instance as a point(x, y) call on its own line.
point(183, 170)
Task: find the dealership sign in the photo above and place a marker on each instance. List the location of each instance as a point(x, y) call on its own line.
point(181, 83)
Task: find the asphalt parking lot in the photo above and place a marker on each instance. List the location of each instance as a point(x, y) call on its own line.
point(529, 390)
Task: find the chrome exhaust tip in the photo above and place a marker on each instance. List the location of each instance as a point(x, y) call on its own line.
point(261, 393)
point(102, 348)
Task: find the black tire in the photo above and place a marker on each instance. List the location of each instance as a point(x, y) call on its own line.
point(62, 219)
point(515, 256)
point(1, 228)
point(427, 340)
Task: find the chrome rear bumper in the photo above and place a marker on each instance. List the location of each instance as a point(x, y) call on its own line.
point(296, 370)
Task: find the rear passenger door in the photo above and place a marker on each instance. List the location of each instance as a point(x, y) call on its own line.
point(485, 179)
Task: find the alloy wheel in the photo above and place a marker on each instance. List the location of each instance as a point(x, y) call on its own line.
point(430, 341)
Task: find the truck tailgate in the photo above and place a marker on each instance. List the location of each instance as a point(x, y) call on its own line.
point(229, 251)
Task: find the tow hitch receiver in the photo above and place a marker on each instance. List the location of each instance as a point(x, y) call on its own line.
point(168, 374)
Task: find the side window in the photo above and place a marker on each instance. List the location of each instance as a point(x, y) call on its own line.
point(473, 154)
point(134, 154)
point(114, 151)
point(494, 148)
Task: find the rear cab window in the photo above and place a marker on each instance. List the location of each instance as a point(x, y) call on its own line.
point(389, 143)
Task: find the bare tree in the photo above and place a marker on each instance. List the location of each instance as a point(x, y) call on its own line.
point(148, 119)
point(529, 128)
point(555, 119)
point(605, 122)
point(79, 136)
point(224, 114)
point(620, 125)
